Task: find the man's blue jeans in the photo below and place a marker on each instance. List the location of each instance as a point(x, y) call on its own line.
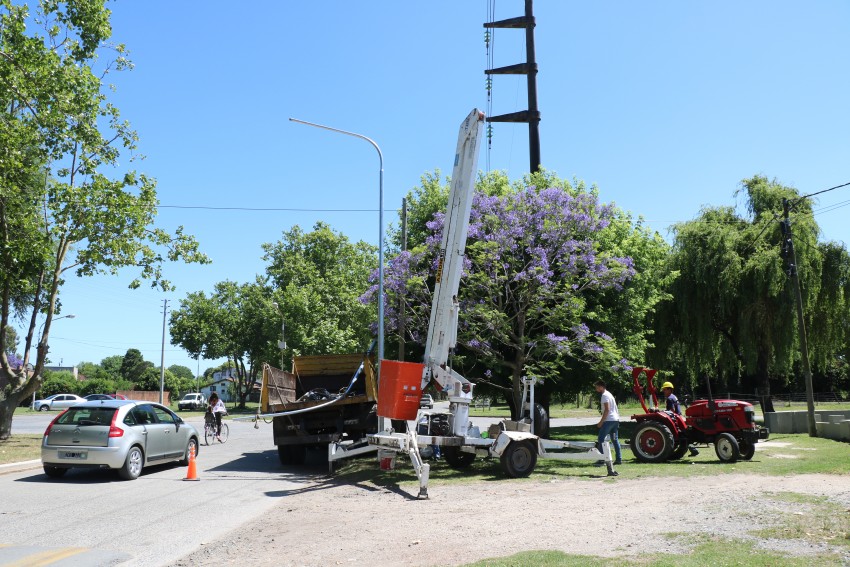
point(611, 428)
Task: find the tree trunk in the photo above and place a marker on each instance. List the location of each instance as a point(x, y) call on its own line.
point(8, 406)
point(763, 382)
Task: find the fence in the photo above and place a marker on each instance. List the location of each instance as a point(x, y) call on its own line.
point(146, 396)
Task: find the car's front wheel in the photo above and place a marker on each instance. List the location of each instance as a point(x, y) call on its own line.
point(44, 408)
point(192, 443)
point(54, 472)
point(133, 464)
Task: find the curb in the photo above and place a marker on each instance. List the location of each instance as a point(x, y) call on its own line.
point(20, 466)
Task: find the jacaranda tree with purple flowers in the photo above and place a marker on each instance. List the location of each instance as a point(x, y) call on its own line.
point(540, 263)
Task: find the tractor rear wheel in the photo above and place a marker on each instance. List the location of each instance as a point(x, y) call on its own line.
point(652, 442)
point(679, 450)
point(747, 449)
point(519, 458)
point(726, 447)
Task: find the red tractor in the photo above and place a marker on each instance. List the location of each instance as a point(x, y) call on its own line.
point(663, 435)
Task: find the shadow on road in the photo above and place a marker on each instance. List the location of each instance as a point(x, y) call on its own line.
point(94, 476)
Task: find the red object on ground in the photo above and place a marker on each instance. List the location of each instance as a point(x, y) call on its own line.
point(399, 391)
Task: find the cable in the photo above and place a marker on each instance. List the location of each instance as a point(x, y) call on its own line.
point(269, 209)
point(824, 191)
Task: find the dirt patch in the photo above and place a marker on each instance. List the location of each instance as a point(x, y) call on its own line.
point(462, 522)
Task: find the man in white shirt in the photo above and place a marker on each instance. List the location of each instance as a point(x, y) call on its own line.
point(609, 423)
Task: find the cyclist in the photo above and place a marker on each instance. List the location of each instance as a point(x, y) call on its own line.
point(216, 409)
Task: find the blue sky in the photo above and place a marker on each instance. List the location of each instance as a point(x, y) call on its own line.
point(664, 105)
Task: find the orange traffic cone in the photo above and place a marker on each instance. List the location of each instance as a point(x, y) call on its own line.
point(192, 473)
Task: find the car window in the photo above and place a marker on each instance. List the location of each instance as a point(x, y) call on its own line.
point(144, 415)
point(163, 415)
point(130, 418)
point(87, 416)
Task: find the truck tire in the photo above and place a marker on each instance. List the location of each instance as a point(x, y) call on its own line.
point(652, 442)
point(291, 454)
point(456, 458)
point(747, 449)
point(541, 421)
point(726, 447)
point(519, 458)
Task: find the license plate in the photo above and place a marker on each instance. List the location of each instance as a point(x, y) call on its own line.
point(78, 455)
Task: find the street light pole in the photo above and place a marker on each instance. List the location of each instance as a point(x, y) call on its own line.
point(380, 230)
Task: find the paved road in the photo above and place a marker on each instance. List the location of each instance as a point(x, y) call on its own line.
point(91, 518)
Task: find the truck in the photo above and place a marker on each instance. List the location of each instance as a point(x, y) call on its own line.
point(323, 400)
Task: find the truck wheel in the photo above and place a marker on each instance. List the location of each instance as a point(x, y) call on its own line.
point(652, 442)
point(679, 450)
point(726, 447)
point(519, 458)
point(291, 454)
point(456, 458)
point(747, 449)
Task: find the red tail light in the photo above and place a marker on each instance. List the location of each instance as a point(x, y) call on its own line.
point(114, 430)
point(52, 423)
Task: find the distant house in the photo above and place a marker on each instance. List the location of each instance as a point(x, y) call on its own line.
point(224, 384)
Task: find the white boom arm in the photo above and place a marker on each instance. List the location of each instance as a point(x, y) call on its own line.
point(442, 328)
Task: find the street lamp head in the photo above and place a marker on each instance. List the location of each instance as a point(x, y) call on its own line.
point(71, 316)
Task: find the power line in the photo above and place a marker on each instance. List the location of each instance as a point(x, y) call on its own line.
point(269, 209)
point(820, 192)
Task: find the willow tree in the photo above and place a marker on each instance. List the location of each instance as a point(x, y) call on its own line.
point(731, 313)
point(66, 205)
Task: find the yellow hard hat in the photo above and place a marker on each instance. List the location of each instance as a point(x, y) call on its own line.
point(667, 385)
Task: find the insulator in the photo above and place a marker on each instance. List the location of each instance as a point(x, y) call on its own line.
point(487, 37)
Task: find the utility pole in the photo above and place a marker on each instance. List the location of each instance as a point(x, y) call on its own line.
point(790, 254)
point(402, 323)
point(529, 68)
point(162, 358)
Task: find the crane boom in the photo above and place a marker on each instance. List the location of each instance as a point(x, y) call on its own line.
point(442, 327)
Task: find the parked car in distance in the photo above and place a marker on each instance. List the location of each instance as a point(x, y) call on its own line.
point(118, 397)
point(426, 402)
point(117, 434)
point(56, 402)
point(95, 397)
point(192, 401)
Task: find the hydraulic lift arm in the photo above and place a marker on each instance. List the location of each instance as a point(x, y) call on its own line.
point(442, 327)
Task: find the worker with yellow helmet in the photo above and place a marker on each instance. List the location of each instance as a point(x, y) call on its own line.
point(672, 405)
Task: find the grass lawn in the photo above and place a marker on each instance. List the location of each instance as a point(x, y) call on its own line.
point(20, 447)
point(715, 553)
point(786, 454)
point(815, 520)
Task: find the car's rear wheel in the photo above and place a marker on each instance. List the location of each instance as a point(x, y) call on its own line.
point(133, 464)
point(54, 472)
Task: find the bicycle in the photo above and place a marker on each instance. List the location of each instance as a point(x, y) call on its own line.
point(209, 430)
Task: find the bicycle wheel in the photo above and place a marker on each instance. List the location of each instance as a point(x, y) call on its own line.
point(225, 432)
point(209, 435)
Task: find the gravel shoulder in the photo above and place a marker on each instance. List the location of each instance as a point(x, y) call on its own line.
point(329, 523)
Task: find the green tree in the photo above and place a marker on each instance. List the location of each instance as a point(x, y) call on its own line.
point(112, 365)
point(731, 314)
point(182, 372)
point(58, 383)
point(12, 341)
point(317, 278)
point(134, 365)
point(97, 386)
point(235, 321)
point(86, 216)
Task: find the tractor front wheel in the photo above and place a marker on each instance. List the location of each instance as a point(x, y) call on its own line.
point(726, 447)
point(747, 449)
point(652, 442)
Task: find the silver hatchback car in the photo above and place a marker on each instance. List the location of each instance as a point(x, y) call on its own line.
point(117, 434)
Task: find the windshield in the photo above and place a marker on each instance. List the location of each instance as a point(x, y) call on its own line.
point(190, 396)
point(87, 416)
